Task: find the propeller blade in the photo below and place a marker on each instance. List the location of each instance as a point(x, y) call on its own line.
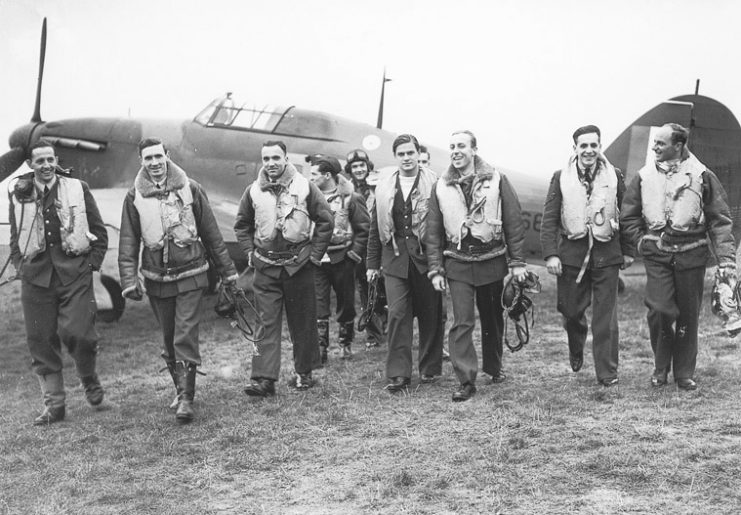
point(42, 56)
point(11, 161)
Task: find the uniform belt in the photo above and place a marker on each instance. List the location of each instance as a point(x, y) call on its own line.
point(473, 249)
point(271, 254)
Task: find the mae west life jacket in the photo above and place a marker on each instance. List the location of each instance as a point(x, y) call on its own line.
point(673, 198)
point(596, 213)
point(286, 214)
point(71, 210)
point(167, 217)
point(482, 219)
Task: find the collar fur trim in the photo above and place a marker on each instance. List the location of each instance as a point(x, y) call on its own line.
point(283, 181)
point(483, 170)
point(176, 179)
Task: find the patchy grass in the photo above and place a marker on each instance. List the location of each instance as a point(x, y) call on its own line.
point(544, 441)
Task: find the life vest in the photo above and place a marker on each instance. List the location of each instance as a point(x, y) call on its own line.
point(339, 203)
point(674, 198)
point(482, 219)
point(71, 211)
point(596, 213)
point(286, 214)
point(167, 217)
point(420, 196)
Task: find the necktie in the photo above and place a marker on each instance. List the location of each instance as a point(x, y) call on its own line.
point(46, 191)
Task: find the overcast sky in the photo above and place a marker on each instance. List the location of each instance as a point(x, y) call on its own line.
point(521, 74)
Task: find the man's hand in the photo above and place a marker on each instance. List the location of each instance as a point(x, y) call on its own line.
point(354, 256)
point(372, 274)
point(519, 273)
point(438, 282)
point(553, 265)
point(627, 261)
point(133, 292)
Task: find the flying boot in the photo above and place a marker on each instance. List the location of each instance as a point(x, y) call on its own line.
point(186, 374)
point(322, 326)
point(347, 333)
point(52, 388)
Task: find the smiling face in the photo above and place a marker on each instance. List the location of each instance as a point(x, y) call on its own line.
point(359, 169)
point(461, 152)
point(663, 148)
point(406, 155)
point(588, 149)
point(274, 161)
point(154, 161)
point(43, 162)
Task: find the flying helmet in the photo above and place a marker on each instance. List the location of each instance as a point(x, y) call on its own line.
point(357, 155)
point(724, 302)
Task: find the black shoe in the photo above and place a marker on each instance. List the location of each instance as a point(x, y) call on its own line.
point(576, 361)
point(609, 382)
point(93, 390)
point(185, 412)
point(303, 381)
point(658, 379)
point(499, 378)
point(687, 383)
point(428, 379)
point(397, 384)
point(49, 416)
point(464, 392)
point(260, 387)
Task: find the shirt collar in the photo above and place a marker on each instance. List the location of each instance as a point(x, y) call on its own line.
point(41, 185)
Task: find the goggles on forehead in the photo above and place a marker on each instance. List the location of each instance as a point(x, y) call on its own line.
point(356, 155)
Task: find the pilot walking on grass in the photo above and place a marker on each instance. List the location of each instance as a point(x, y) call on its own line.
point(283, 226)
point(57, 240)
point(475, 234)
point(581, 243)
point(396, 245)
point(169, 215)
point(346, 249)
point(674, 211)
point(359, 168)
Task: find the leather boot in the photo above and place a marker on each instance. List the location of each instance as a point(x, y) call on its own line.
point(52, 388)
point(323, 329)
point(178, 390)
point(186, 374)
point(93, 390)
point(347, 333)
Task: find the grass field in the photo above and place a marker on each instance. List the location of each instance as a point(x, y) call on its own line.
point(545, 441)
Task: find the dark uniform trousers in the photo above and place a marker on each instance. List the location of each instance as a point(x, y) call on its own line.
point(179, 315)
point(61, 312)
point(460, 340)
point(600, 284)
point(407, 298)
point(674, 299)
point(339, 277)
point(297, 293)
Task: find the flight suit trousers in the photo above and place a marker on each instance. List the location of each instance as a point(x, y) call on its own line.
point(599, 285)
point(297, 292)
point(460, 340)
point(61, 313)
point(339, 277)
point(179, 317)
point(674, 299)
point(407, 298)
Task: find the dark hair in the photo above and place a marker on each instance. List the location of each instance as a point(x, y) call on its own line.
point(423, 150)
point(470, 135)
point(326, 167)
point(587, 129)
point(150, 142)
point(41, 143)
point(402, 139)
point(679, 134)
point(276, 143)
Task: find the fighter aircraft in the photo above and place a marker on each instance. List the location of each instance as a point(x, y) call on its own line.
point(220, 148)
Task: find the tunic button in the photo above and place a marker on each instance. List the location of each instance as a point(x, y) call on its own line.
point(46, 221)
point(48, 234)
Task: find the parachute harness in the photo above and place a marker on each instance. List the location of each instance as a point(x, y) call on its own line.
point(517, 305)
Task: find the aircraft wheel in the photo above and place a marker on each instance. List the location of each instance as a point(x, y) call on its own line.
point(119, 303)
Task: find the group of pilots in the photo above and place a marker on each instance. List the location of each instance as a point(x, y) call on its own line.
point(407, 236)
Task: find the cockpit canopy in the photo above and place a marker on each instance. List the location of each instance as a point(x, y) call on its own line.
point(227, 112)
